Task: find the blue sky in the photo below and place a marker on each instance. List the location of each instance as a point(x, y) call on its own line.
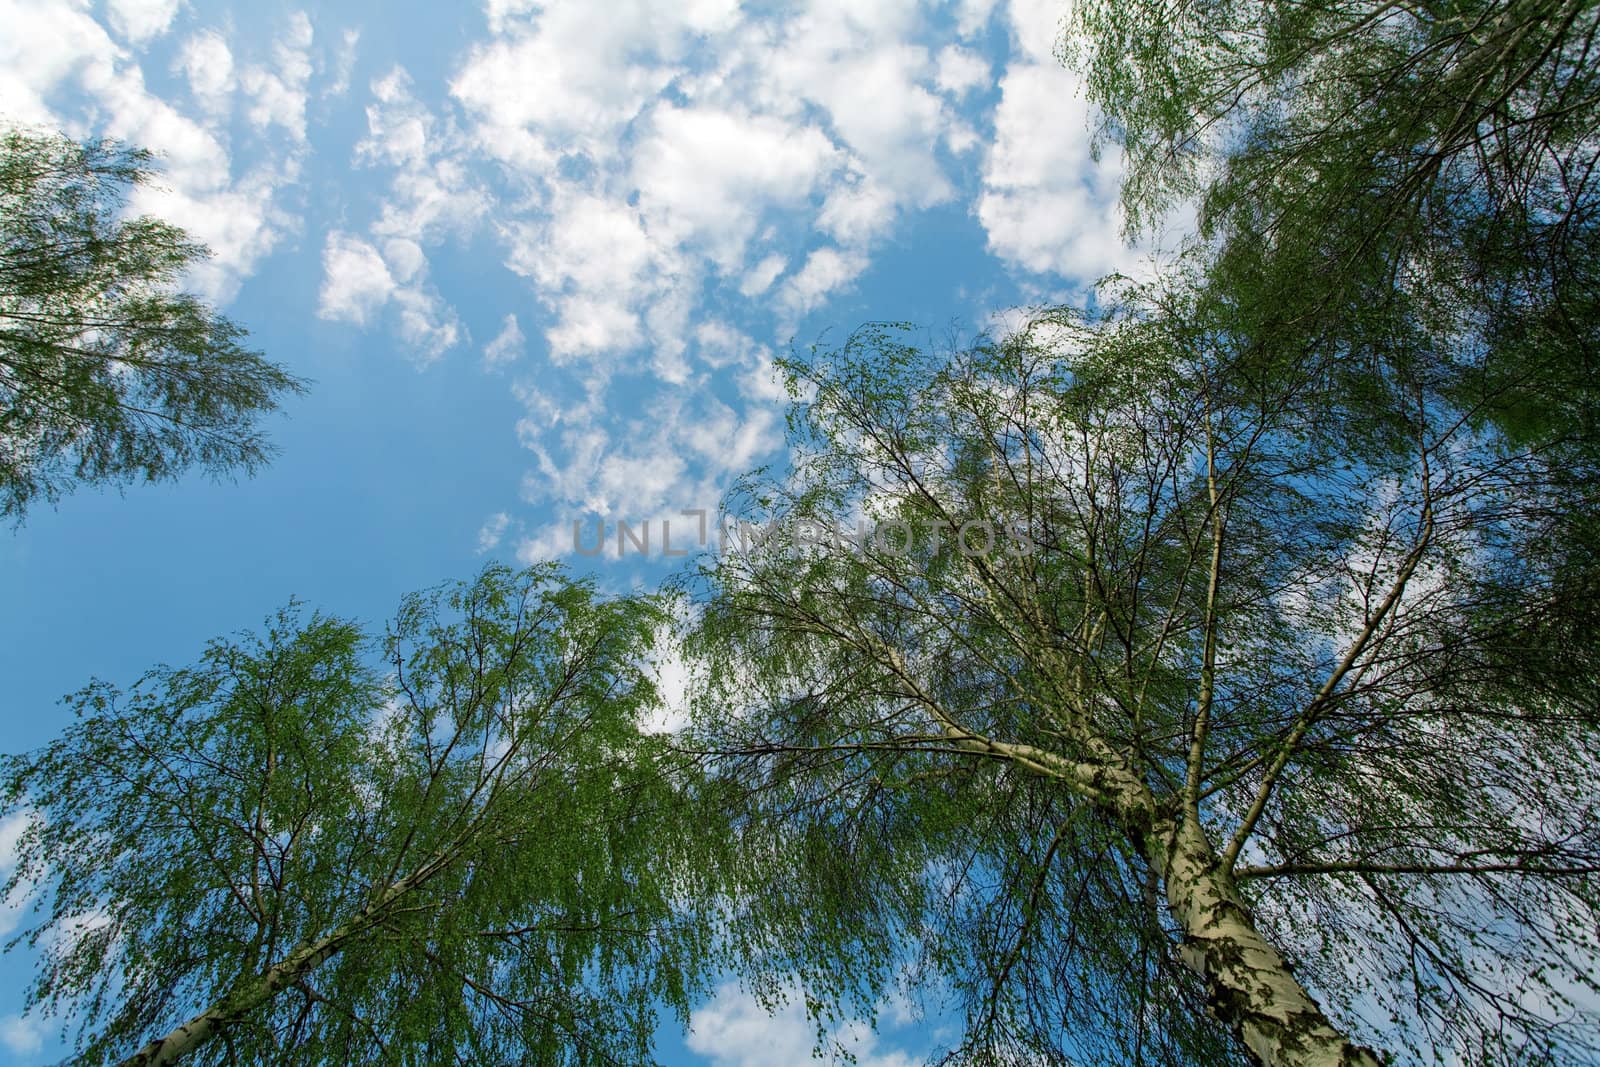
point(537, 260)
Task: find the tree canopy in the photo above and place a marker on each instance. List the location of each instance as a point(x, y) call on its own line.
point(1367, 171)
point(1220, 730)
point(458, 850)
point(109, 372)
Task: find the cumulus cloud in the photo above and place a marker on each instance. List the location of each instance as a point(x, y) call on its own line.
point(825, 270)
point(706, 174)
point(759, 278)
point(959, 71)
point(139, 21)
point(398, 126)
point(574, 75)
point(838, 55)
point(278, 92)
point(431, 195)
point(1034, 26)
point(427, 323)
point(1045, 207)
point(734, 1030)
point(62, 43)
point(858, 211)
point(973, 15)
point(207, 62)
point(592, 244)
point(680, 451)
point(356, 281)
point(592, 261)
point(656, 174)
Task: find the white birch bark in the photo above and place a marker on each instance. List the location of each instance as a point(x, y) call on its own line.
point(1251, 987)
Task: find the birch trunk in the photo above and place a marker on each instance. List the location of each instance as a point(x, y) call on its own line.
point(1251, 987)
point(250, 994)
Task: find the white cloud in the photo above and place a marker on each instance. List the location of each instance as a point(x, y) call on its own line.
point(61, 42)
point(501, 13)
point(762, 383)
point(858, 212)
point(405, 258)
point(356, 280)
point(852, 60)
point(140, 21)
point(825, 270)
point(589, 325)
point(663, 157)
point(432, 195)
point(1045, 206)
point(279, 91)
point(727, 444)
point(241, 224)
point(706, 174)
point(667, 171)
point(959, 71)
point(556, 541)
point(192, 157)
point(1035, 27)
point(237, 216)
point(592, 245)
point(207, 63)
point(429, 202)
point(678, 450)
point(507, 346)
point(734, 1030)
point(973, 15)
point(22, 1034)
point(344, 64)
point(12, 828)
point(759, 278)
point(673, 676)
point(720, 345)
point(427, 323)
point(397, 125)
point(573, 78)
point(644, 481)
point(493, 530)
point(595, 266)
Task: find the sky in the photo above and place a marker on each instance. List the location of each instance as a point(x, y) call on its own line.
point(537, 261)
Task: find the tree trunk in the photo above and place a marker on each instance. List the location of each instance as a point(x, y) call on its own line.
point(251, 993)
point(239, 1002)
point(1251, 987)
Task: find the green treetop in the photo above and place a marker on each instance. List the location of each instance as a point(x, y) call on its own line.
point(461, 850)
point(1244, 736)
point(110, 373)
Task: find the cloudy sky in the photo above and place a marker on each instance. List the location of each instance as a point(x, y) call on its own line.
point(537, 260)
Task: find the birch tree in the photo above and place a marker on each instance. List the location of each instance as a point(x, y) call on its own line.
point(460, 850)
point(110, 372)
point(1264, 728)
point(1353, 160)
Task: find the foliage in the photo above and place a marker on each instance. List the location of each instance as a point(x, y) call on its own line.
point(1364, 165)
point(1228, 732)
point(469, 854)
point(108, 372)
